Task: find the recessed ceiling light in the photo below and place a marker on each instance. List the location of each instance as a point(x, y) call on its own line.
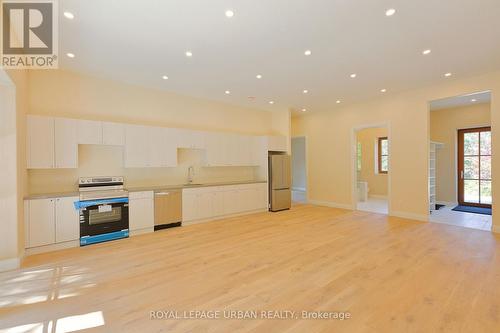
point(189, 54)
point(164, 77)
point(227, 92)
point(71, 55)
point(303, 110)
point(448, 74)
point(426, 52)
point(308, 52)
point(383, 90)
point(69, 15)
point(338, 101)
point(229, 13)
point(353, 75)
point(259, 76)
point(271, 102)
point(473, 100)
point(390, 12)
point(305, 91)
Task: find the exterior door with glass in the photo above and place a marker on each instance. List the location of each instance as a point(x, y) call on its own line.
point(474, 167)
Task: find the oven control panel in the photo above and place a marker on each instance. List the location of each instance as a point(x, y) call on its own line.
point(100, 180)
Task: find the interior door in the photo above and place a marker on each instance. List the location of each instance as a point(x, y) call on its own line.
point(474, 167)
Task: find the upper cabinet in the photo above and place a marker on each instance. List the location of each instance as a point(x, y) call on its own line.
point(190, 139)
point(51, 143)
point(277, 143)
point(40, 142)
point(113, 134)
point(89, 132)
point(149, 147)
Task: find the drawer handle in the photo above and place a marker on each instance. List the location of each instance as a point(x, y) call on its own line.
point(162, 193)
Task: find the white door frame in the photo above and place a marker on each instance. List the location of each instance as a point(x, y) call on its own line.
point(354, 170)
point(306, 161)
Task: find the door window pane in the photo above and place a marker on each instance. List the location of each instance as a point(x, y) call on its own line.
point(485, 143)
point(471, 167)
point(486, 192)
point(471, 143)
point(385, 147)
point(385, 163)
point(471, 191)
point(486, 167)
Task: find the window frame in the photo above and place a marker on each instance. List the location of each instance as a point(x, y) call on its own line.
point(380, 155)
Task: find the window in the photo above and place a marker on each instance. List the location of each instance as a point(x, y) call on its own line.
point(383, 155)
point(359, 157)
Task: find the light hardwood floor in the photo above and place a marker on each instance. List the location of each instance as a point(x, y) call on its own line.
point(390, 274)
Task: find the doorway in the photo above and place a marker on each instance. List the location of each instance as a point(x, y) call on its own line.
point(474, 167)
point(372, 169)
point(299, 170)
point(460, 157)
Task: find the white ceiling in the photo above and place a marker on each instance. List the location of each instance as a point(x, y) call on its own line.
point(140, 41)
point(464, 100)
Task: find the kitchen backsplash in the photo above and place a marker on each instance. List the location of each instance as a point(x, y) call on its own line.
point(96, 160)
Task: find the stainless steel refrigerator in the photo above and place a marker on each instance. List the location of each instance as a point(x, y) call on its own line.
point(280, 195)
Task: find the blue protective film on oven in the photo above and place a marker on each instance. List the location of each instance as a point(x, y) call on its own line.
point(85, 204)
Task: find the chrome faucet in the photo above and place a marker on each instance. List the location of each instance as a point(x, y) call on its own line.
point(190, 174)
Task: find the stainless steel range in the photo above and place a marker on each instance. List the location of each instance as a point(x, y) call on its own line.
point(103, 209)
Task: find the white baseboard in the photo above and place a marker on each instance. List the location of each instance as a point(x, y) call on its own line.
point(330, 204)
point(377, 196)
point(410, 216)
point(141, 232)
point(495, 229)
point(9, 264)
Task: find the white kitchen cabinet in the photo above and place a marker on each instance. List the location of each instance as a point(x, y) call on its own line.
point(137, 141)
point(113, 134)
point(190, 139)
point(209, 202)
point(51, 221)
point(89, 132)
point(40, 142)
point(40, 222)
point(67, 221)
point(65, 143)
point(277, 143)
point(141, 210)
point(163, 150)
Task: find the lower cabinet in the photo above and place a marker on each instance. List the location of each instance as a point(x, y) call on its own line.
point(50, 221)
point(141, 210)
point(208, 202)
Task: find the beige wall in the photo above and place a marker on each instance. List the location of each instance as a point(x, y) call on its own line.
point(444, 126)
point(377, 182)
point(69, 94)
point(329, 135)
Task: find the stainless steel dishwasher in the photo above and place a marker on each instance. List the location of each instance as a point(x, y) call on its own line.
point(168, 209)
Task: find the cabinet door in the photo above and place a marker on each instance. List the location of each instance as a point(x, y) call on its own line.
point(204, 205)
point(277, 143)
point(191, 139)
point(66, 144)
point(89, 132)
point(170, 147)
point(231, 198)
point(40, 142)
point(141, 214)
point(189, 206)
point(67, 220)
point(157, 157)
point(41, 222)
point(218, 203)
point(113, 134)
point(137, 146)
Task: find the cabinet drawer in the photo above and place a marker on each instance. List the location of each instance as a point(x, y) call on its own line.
point(141, 195)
